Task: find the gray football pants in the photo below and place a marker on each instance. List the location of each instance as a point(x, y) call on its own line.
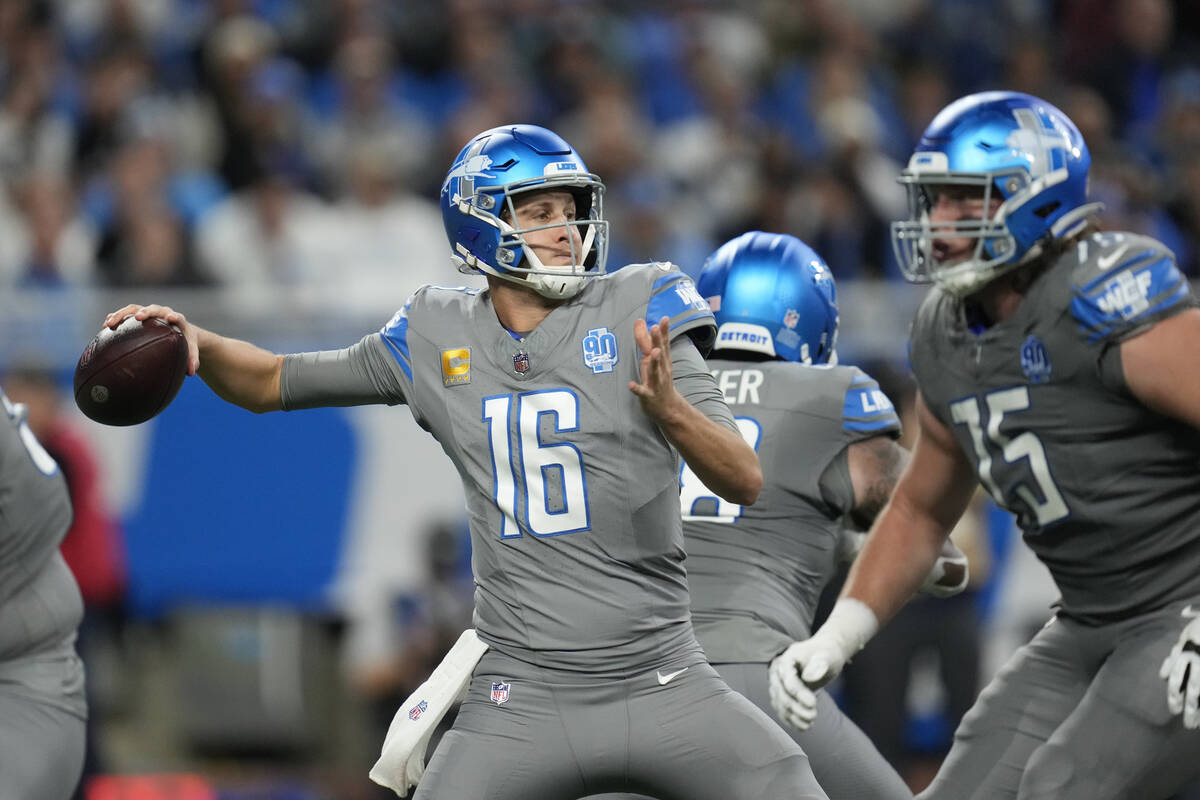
point(1079, 713)
point(42, 721)
point(561, 737)
point(845, 763)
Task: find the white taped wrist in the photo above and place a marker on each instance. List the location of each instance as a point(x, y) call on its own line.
point(850, 625)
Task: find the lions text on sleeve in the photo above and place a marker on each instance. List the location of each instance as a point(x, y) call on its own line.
point(756, 572)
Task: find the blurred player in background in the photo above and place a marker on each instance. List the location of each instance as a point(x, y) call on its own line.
point(94, 547)
point(561, 395)
point(1056, 366)
point(42, 705)
point(826, 438)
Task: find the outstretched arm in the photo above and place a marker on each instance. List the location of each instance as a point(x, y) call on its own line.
point(718, 455)
point(238, 372)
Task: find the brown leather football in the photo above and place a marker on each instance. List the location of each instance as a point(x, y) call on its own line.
point(130, 373)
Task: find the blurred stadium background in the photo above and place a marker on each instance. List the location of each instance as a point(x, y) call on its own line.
point(276, 585)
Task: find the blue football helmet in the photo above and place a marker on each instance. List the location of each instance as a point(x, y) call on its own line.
point(480, 215)
point(1012, 147)
point(772, 294)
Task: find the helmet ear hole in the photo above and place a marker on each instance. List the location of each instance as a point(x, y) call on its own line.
point(583, 202)
point(1044, 211)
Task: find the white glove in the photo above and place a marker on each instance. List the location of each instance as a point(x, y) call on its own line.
point(402, 762)
point(949, 575)
point(801, 669)
point(1181, 670)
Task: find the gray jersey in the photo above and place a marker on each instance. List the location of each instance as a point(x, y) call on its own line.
point(572, 493)
point(40, 603)
point(757, 572)
point(1105, 490)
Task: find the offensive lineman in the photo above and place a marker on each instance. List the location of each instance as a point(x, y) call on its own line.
point(43, 711)
point(1057, 366)
point(558, 394)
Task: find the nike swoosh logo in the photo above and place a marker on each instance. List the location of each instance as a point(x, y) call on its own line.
point(666, 677)
point(1104, 262)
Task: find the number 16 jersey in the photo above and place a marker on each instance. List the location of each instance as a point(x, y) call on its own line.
point(572, 491)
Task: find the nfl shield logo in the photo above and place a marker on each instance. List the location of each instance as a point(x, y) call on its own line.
point(500, 693)
point(790, 318)
point(416, 711)
point(521, 362)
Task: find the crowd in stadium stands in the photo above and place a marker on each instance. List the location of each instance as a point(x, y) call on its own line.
point(258, 144)
point(298, 145)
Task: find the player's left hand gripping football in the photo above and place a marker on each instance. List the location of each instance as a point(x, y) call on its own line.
point(656, 391)
point(1181, 670)
point(164, 313)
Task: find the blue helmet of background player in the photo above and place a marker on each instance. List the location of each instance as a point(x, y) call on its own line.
point(480, 217)
point(772, 294)
point(1011, 147)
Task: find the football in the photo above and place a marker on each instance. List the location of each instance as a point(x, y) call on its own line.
point(130, 373)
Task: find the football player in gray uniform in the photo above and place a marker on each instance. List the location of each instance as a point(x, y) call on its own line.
point(565, 398)
point(756, 572)
point(1057, 367)
point(43, 711)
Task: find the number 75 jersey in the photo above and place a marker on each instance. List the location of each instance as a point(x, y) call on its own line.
point(1105, 490)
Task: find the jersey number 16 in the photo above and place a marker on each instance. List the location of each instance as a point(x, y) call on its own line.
point(530, 471)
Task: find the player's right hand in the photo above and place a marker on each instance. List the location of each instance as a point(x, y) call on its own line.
point(795, 676)
point(166, 314)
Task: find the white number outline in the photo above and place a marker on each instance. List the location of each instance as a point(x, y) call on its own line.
point(1027, 445)
point(535, 460)
point(44, 462)
point(692, 490)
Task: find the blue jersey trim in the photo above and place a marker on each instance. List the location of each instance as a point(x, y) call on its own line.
point(395, 334)
point(1127, 297)
point(674, 296)
point(867, 408)
point(879, 425)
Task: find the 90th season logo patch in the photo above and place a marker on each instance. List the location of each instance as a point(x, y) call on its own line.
point(600, 352)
